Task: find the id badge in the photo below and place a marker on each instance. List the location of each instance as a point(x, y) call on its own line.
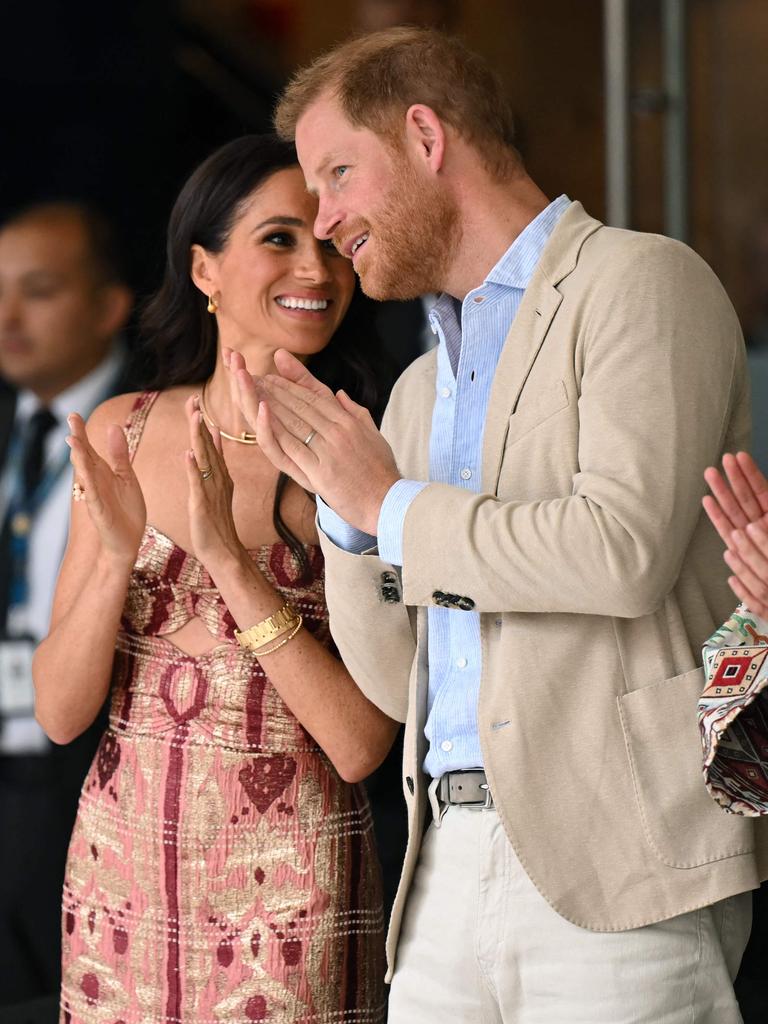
point(17, 694)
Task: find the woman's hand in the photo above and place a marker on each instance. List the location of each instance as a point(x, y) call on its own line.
point(112, 493)
point(738, 509)
point(211, 523)
point(739, 497)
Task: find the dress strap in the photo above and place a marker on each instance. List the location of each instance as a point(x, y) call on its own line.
point(137, 418)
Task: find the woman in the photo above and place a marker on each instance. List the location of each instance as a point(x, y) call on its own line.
point(220, 867)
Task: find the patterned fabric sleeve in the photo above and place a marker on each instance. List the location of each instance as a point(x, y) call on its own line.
point(733, 714)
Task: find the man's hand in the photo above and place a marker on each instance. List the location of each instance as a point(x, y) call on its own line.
point(738, 508)
point(327, 443)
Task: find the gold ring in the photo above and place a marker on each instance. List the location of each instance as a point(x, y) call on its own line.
point(78, 492)
point(309, 437)
point(207, 472)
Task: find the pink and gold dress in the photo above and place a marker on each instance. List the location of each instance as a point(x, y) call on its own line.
point(219, 869)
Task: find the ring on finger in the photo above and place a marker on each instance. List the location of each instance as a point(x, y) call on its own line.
point(308, 439)
point(78, 492)
point(206, 473)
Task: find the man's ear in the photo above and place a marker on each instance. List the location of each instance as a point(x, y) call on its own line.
point(115, 308)
point(203, 270)
point(425, 136)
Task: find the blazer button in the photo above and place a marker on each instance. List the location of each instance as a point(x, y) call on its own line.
point(390, 594)
point(389, 578)
point(440, 598)
point(409, 784)
point(466, 604)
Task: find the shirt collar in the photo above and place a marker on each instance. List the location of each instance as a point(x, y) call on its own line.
point(515, 268)
point(82, 396)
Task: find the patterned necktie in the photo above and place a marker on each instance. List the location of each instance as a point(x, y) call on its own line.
point(36, 433)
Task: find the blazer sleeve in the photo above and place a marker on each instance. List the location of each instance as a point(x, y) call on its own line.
point(660, 359)
point(371, 626)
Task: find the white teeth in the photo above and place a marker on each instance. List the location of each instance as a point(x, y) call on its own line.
point(291, 303)
point(358, 243)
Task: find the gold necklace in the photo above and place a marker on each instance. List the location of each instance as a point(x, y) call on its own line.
point(244, 438)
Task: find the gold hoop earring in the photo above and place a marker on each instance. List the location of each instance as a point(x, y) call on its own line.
point(212, 304)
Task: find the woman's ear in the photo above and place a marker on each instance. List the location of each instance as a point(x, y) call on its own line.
point(203, 270)
point(425, 136)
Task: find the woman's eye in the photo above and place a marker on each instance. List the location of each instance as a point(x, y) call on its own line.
point(281, 238)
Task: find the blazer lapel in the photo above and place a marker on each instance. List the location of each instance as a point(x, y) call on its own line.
point(521, 347)
point(528, 331)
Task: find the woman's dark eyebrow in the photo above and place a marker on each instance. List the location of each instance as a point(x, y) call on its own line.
point(287, 222)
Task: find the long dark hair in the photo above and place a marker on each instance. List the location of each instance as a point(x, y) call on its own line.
point(180, 335)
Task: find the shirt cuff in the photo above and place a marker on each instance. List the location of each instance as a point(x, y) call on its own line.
point(338, 530)
point(392, 519)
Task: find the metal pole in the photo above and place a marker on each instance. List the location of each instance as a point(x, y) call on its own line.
point(676, 119)
point(616, 85)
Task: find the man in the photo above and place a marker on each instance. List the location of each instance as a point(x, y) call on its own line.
point(62, 305)
point(518, 564)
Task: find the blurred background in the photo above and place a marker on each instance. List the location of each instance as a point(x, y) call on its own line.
point(651, 112)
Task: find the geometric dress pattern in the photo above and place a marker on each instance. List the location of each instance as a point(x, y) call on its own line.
point(220, 870)
point(733, 714)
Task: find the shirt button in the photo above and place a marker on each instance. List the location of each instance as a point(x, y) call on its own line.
point(446, 745)
point(479, 298)
point(461, 663)
point(465, 474)
point(445, 392)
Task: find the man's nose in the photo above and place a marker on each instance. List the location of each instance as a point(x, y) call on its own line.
point(328, 219)
point(10, 308)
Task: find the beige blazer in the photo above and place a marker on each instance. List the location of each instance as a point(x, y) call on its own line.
point(596, 575)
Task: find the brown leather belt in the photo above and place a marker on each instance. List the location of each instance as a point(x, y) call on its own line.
point(465, 787)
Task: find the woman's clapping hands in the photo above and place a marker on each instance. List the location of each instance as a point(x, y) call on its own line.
point(110, 490)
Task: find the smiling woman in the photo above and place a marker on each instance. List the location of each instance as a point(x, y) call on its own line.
point(222, 864)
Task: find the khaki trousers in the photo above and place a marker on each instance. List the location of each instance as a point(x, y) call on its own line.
point(480, 945)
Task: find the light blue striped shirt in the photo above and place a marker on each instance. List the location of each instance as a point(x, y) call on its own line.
point(471, 337)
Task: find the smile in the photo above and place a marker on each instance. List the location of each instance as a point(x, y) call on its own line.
point(358, 242)
point(289, 302)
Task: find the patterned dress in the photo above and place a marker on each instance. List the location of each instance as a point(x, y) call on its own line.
point(219, 869)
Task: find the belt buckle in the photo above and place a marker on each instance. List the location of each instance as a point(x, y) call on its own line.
point(450, 795)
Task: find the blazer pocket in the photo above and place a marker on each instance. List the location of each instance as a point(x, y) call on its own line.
point(534, 409)
point(682, 823)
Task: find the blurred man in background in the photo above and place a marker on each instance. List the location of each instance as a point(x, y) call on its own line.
point(63, 305)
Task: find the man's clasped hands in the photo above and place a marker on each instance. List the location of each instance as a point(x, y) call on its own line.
point(327, 443)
